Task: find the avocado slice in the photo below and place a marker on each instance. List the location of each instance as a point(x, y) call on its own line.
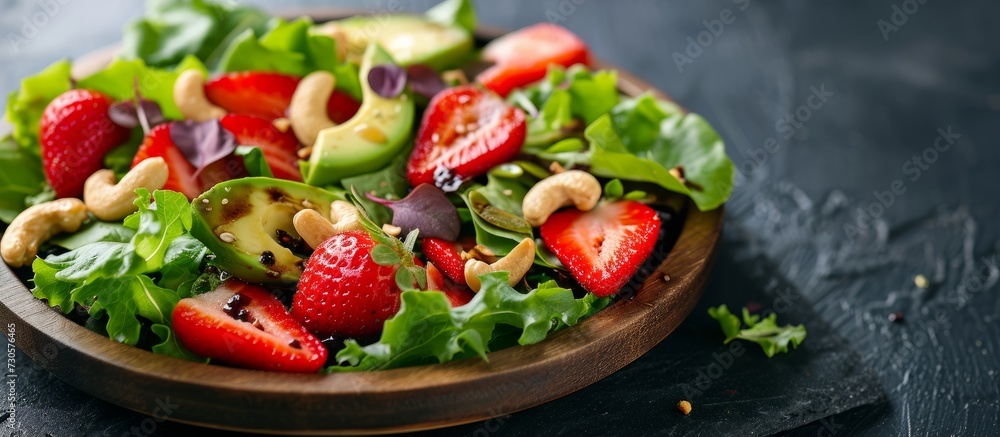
point(409, 39)
point(239, 220)
point(368, 141)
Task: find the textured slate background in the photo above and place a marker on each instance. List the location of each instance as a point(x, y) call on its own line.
point(786, 223)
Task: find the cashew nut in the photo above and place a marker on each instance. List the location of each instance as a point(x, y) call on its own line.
point(110, 202)
point(573, 187)
point(189, 95)
point(307, 112)
point(315, 229)
point(516, 264)
point(36, 225)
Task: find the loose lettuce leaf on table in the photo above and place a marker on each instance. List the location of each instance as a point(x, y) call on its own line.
point(174, 29)
point(25, 106)
point(289, 48)
point(427, 330)
point(765, 332)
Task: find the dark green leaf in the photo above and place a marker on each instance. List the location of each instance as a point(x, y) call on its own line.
point(95, 231)
point(388, 183)
point(253, 159)
point(614, 189)
point(174, 29)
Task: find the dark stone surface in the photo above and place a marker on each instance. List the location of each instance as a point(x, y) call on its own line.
point(786, 225)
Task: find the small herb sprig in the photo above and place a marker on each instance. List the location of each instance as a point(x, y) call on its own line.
point(765, 332)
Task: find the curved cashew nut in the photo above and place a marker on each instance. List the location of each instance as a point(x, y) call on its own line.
point(315, 229)
point(573, 187)
point(307, 112)
point(189, 95)
point(516, 263)
point(110, 202)
point(36, 225)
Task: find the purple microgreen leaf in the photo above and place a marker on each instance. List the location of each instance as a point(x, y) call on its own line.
point(387, 80)
point(129, 115)
point(202, 143)
point(424, 80)
point(425, 208)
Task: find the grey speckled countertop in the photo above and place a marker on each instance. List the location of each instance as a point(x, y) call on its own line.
point(832, 112)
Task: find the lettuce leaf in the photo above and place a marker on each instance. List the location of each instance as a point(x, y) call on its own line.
point(254, 161)
point(461, 13)
point(173, 29)
point(427, 330)
point(22, 177)
point(289, 48)
point(765, 332)
point(94, 231)
point(562, 97)
point(119, 81)
point(25, 107)
point(162, 217)
point(644, 139)
point(113, 278)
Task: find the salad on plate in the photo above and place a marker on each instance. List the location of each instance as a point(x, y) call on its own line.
point(367, 193)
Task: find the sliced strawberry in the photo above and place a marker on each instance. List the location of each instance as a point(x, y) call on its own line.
point(604, 247)
point(182, 174)
point(447, 256)
point(343, 291)
point(457, 294)
point(341, 107)
point(280, 148)
point(245, 325)
point(75, 132)
point(159, 144)
point(466, 131)
point(267, 95)
point(261, 94)
point(524, 56)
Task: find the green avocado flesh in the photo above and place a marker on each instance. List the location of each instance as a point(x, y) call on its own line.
point(368, 141)
point(409, 39)
point(239, 220)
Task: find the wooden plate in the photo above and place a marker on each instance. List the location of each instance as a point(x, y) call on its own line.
point(377, 402)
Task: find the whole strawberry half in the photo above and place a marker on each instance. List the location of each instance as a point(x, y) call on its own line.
point(246, 326)
point(75, 133)
point(343, 291)
point(602, 248)
point(466, 131)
